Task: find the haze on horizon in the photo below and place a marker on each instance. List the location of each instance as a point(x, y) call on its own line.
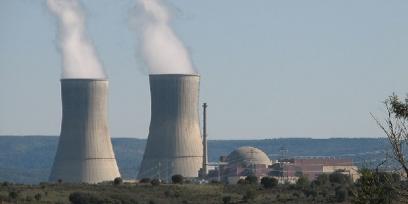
point(268, 69)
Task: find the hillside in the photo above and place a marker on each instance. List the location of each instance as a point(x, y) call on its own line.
point(28, 159)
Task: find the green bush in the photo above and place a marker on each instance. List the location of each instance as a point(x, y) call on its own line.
point(241, 181)
point(269, 182)
point(37, 196)
point(339, 178)
point(13, 195)
point(144, 180)
point(375, 187)
point(84, 198)
point(310, 193)
point(226, 199)
point(155, 182)
point(117, 181)
point(341, 194)
point(302, 182)
point(251, 179)
point(249, 195)
point(321, 180)
point(177, 179)
point(213, 181)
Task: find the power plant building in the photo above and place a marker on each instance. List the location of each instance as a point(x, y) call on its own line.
point(174, 144)
point(245, 161)
point(84, 153)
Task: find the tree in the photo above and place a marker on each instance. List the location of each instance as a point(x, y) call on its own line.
point(269, 182)
point(13, 195)
point(37, 196)
point(85, 198)
point(251, 179)
point(249, 195)
point(321, 180)
point(226, 199)
point(395, 126)
point(374, 187)
point(177, 179)
point(339, 178)
point(341, 194)
point(241, 181)
point(117, 181)
point(155, 182)
point(144, 180)
point(302, 182)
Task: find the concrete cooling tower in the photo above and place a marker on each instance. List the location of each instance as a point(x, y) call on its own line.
point(174, 143)
point(85, 153)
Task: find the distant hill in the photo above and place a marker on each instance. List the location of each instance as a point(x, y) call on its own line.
point(28, 159)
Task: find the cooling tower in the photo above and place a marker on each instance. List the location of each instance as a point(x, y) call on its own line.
point(174, 143)
point(85, 153)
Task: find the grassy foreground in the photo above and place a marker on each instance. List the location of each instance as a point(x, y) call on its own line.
point(149, 194)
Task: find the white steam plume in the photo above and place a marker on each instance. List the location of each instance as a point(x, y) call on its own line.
point(163, 51)
point(79, 56)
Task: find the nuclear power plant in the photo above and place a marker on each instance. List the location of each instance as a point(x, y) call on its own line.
point(85, 153)
point(174, 144)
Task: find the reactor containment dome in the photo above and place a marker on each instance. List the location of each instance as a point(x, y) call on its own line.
point(247, 156)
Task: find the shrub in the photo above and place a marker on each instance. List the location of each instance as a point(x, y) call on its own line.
point(167, 193)
point(339, 178)
point(3, 198)
point(117, 181)
point(84, 198)
point(155, 182)
point(251, 179)
point(226, 199)
point(29, 199)
point(321, 180)
point(269, 182)
point(309, 193)
point(13, 195)
point(215, 182)
point(241, 181)
point(177, 179)
point(374, 187)
point(249, 195)
point(302, 182)
point(296, 195)
point(341, 194)
point(324, 193)
point(144, 180)
point(37, 196)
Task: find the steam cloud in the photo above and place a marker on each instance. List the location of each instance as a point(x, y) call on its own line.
point(79, 56)
point(162, 50)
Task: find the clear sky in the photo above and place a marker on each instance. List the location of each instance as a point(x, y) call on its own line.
point(268, 68)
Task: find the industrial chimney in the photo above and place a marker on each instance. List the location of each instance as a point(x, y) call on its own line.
point(85, 153)
point(174, 143)
point(205, 148)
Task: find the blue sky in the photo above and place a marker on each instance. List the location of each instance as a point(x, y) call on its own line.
point(268, 68)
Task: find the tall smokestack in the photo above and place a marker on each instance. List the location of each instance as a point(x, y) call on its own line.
point(85, 153)
point(205, 151)
point(174, 143)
